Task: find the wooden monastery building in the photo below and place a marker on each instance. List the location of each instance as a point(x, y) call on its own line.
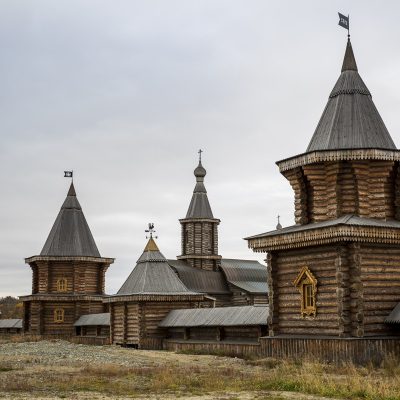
point(68, 298)
point(334, 277)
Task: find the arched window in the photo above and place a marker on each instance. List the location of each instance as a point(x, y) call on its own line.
point(307, 286)
point(59, 315)
point(61, 285)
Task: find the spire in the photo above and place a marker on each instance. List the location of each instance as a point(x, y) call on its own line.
point(151, 245)
point(349, 61)
point(350, 119)
point(70, 234)
point(279, 226)
point(199, 206)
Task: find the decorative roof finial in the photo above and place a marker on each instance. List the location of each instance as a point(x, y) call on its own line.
point(151, 230)
point(279, 226)
point(200, 171)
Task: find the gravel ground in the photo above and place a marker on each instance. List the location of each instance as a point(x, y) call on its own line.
point(38, 359)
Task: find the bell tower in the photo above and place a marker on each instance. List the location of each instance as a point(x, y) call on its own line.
point(199, 229)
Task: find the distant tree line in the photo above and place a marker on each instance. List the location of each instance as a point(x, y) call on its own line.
point(10, 307)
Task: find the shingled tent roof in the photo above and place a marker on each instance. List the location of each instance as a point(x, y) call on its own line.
point(70, 234)
point(350, 119)
point(199, 205)
point(153, 275)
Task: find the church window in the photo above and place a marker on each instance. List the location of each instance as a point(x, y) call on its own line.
point(59, 315)
point(61, 285)
point(307, 286)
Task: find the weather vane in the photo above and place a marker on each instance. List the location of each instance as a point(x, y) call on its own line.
point(200, 151)
point(151, 230)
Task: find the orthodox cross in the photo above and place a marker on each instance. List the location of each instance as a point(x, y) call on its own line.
point(151, 230)
point(200, 151)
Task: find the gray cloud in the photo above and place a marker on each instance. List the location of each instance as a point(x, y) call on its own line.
point(125, 92)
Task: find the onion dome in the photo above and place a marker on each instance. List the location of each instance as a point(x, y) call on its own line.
point(199, 205)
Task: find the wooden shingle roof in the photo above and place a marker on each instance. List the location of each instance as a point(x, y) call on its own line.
point(153, 275)
point(350, 119)
point(199, 205)
point(70, 235)
point(221, 316)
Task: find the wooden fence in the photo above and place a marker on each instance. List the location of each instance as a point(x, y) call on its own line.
point(226, 348)
point(335, 350)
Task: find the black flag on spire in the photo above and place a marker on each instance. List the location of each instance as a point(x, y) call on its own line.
point(344, 21)
point(68, 174)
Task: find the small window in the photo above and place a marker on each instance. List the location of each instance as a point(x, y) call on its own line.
point(308, 296)
point(307, 286)
point(62, 285)
point(59, 315)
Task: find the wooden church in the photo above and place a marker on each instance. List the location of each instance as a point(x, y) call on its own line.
point(68, 276)
point(336, 273)
point(68, 280)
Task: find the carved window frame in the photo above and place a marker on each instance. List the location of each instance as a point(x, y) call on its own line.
point(62, 285)
point(304, 282)
point(59, 315)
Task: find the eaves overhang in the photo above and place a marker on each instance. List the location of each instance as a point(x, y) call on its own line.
point(100, 260)
point(323, 236)
point(337, 155)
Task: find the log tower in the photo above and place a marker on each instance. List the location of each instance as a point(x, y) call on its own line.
point(199, 230)
point(337, 271)
point(67, 277)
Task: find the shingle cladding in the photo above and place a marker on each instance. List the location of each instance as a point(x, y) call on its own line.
point(199, 206)
point(350, 119)
point(70, 234)
point(200, 280)
point(10, 323)
point(221, 316)
point(248, 275)
point(349, 219)
point(153, 275)
point(102, 319)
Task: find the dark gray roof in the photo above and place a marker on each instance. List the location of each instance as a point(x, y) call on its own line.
point(153, 275)
point(222, 316)
point(349, 219)
point(200, 280)
point(199, 205)
point(248, 275)
point(93, 320)
point(70, 234)
point(394, 316)
point(10, 323)
point(350, 119)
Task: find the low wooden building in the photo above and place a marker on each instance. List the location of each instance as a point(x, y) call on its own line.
point(335, 274)
point(93, 325)
point(10, 326)
point(237, 324)
point(68, 276)
point(150, 292)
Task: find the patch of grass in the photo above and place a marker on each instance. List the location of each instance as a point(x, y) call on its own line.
point(204, 375)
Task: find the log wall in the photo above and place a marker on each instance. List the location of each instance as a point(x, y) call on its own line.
point(136, 323)
point(285, 316)
point(380, 276)
point(199, 239)
point(328, 190)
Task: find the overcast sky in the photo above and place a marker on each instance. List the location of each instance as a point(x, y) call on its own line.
point(126, 92)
